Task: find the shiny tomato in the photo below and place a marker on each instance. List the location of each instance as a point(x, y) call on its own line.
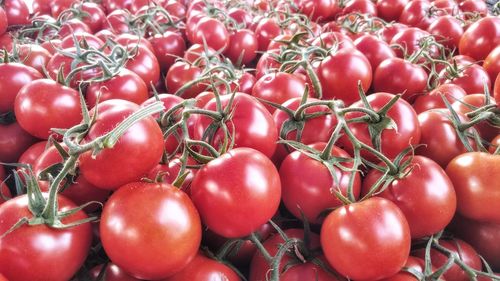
point(181, 73)
point(202, 268)
point(164, 216)
point(24, 258)
point(242, 48)
point(471, 174)
point(34, 55)
point(96, 16)
point(167, 47)
point(17, 12)
point(480, 38)
point(321, 10)
point(14, 142)
point(447, 30)
point(486, 130)
point(390, 10)
point(138, 150)
point(3, 21)
point(492, 63)
point(13, 76)
point(112, 273)
point(472, 78)
point(417, 13)
point(211, 32)
point(145, 64)
point(278, 88)
point(378, 226)
point(434, 99)
point(237, 192)
point(267, 29)
point(374, 49)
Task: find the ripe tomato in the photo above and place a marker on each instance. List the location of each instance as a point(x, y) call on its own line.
point(472, 78)
point(243, 47)
point(125, 85)
point(145, 64)
point(393, 141)
point(340, 73)
point(237, 192)
point(434, 99)
point(471, 174)
point(410, 39)
point(417, 13)
point(14, 142)
point(378, 226)
point(360, 6)
point(167, 47)
point(3, 21)
point(390, 10)
point(202, 268)
point(181, 73)
point(34, 55)
point(447, 30)
point(23, 257)
point(486, 130)
point(13, 76)
point(139, 149)
point(480, 38)
point(211, 32)
point(374, 49)
point(267, 29)
point(321, 10)
point(45, 104)
point(492, 63)
point(417, 264)
point(96, 16)
point(17, 12)
point(4, 189)
point(164, 216)
point(278, 88)
point(308, 187)
point(112, 273)
point(422, 188)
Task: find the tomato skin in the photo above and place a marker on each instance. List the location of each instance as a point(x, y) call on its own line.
point(416, 13)
point(397, 76)
point(379, 227)
point(164, 216)
point(496, 89)
point(339, 74)
point(492, 63)
point(17, 12)
point(145, 64)
point(471, 174)
point(267, 29)
point(139, 149)
point(375, 50)
point(245, 197)
point(390, 10)
point(251, 123)
point(31, 154)
point(113, 273)
point(34, 55)
point(472, 79)
point(213, 32)
point(13, 76)
point(167, 47)
point(321, 10)
point(434, 99)
point(393, 141)
point(480, 38)
point(447, 30)
point(466, 253)
point(485, 129)
point(278, 88)
point(360, 6)
point(425, 189)
point(96, 18)
point(40, 105)
point(3, 21)
point(4, 189)
point(411, 39)
point(23, 258)
point(495, 143)
point(244, 44)
point(181, 73)
point(125, 85)
point(307, 184)
point(14, 142)
point(414, 263)
point(202, 268)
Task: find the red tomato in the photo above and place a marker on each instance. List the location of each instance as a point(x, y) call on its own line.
point(211, 32)
point(410, 39)
point(32, 153)
point(398, 76)
point(13, 76)
point(139, 149)
point(125, 85)
point(417, 13)
point(96, 16)
point(77, 39)
point(237, 192)
point(422, 188)
point(374, 49)
point(117, 21)
point(145, 64)
point(463, 250)
point(34, 55)
point(14, 142)
point(472, 78)
point(278, 88)
point(321, 10)
point(393, 141)
point(377, 226)
point(40, 105)
point(308, 187)
point(167, 47)
point(65, 62)
point(473, 6)
point(387, 32)
point(361, 7)
point(164, 216)
point(447, 30)
point(340, 73)
point(414, 263)
point(251, 123)
point(243, 47)
point(492, 63)
point(71, 26)
point(202, 268)
point(495, 143)
point(181, 73)
point(486, 130)
point(23, 257)
point(112, 273)
point(267, 29)
point(17, 12)
point(496, 89)
point(480, 38)
point(390, 10)
point(3, 21)
point(471, 174)
point(4, 189)
point(434, 99)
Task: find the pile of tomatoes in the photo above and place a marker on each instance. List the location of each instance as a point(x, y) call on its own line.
point(249, 140)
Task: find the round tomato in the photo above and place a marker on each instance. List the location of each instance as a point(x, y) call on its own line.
point(492, 63)
point(13, 76)
point(243, 47)
point(237, 192)
point(167, 47)
point(14, 142)
point(390, 10)
point(34, 55)
point(486, 130)
point(112, 273)
point(163, 216)
point(181, 73)
point(447, 30)
point(434, 99)
point(368, 240)
point(480, 38)
point(17, 12)
point(211, 32)
point(374, 49)
point(277, 88)
point(145, 64)
point(202, 268)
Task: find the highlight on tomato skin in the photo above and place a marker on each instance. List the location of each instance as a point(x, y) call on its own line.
point(251, 140)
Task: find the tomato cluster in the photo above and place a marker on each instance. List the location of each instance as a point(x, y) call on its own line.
point(259, 140)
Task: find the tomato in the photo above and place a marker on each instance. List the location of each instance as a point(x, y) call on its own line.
point(211, 32)
point(3, 21)
point(138, 150)
point(145, 64)
point(277, 88)
point(181, 73)
point(241, 16)
point(471, 174)
point(321, 10)
point(202, 268)
point(17, 12)
point(31, 154)
point(71, 26)
point(13, 76)
point(167, 47)
point(90, 39)
point(41, 104)
point(495, 143)
point(410, 39)
point(4, 189)
point(308, 185)
point(398, 76)
point(434, 99)
point(14, 142)
point(200, 55)
point(332, 38)
point(361, 7)
point(267, 29)
point(473, 6)
point(80, 191)
point(486, 130)
point(23, 257)
point(175, 8)
point(472, 78)
point(375, 50)
point(496, 89)
point(492, 63)
point(417, 13)
point(480, 38)
point(58, 6)
point(421, 189)
point(381, 244)
point(340, 73)
point(64, 62)
point(96, 16)
point(6, 41)
point(463, 250)
point(112, 273)
point(390, 10)
point(393, 141)
point(243, 47)
point(292, 267)
point(237, 192)
point(481, 236)
point(447, 30)
point(387, 32)
point(125, 85)
point(34, 55)
point(162, 215)
point(117, 21)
